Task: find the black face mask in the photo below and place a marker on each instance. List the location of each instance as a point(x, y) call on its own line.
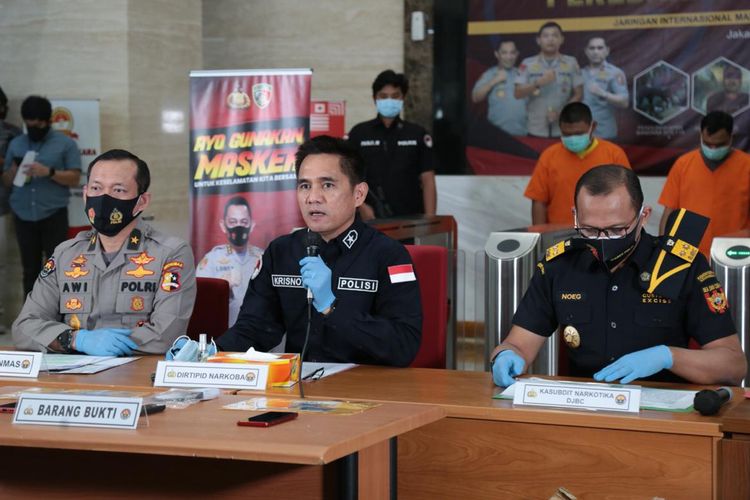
point(109, 215)
point(237, 235)
point(36, 134)
point(613, 252)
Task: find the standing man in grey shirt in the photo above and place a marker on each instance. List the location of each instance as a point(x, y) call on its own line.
point(605, 88)
point(550, 80)
point(497, 85)
point(40, 205)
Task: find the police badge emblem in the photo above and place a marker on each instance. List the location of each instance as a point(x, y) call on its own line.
point(115, 217)
point(238, 99)
point(572, 337)
point(262, 93)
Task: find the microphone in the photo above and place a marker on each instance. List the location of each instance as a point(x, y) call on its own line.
point(313, 242)
point(708, 401)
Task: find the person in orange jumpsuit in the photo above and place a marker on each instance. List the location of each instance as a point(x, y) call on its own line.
point(553, 181)
point(712, 180)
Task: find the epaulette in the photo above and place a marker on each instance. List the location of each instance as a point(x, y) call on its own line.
point(561, 247)
point(678, 248)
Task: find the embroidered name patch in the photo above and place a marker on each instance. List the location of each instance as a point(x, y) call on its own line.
point(358, 284)
point(574, 296)
point(286, 281)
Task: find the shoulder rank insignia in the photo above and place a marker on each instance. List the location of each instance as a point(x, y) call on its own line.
point(134, 240)
point(555, 250)
point(560, 248)
point(678, 249)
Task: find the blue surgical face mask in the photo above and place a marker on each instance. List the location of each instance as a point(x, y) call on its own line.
point(389, 108)
point(715, 154)
point(576, 143)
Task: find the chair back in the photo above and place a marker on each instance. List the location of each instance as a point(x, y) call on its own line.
point(211, 310)
point(431, 268)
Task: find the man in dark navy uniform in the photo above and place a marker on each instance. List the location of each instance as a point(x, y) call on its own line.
point(628, 302)
point(365, 294)
point(398, 155)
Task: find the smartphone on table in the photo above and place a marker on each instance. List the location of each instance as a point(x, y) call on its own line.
point(268, 419)
point(8, 407)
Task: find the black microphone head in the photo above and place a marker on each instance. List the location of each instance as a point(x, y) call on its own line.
point(708, 402)
point(313, 242)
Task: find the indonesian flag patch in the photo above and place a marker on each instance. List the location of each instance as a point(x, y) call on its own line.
point(402, 273)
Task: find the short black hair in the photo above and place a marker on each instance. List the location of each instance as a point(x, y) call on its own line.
point(717, 120)
point(240, 201)
point(575, 112)
point(142, 174)
point(390, 77)
point(36, 107)
point(549, 24)
point(604, 179)
point(349, 158)
point(505, 40)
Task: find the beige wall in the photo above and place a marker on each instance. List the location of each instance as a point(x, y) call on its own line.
point(346, 43)
point(132, 55)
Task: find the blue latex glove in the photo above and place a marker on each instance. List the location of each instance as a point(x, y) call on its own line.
point(637, 364)
point(506, 367)
point(105, 342)
point(179, 351)
point(317, 277)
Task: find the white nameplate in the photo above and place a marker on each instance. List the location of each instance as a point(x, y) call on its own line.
point(75, 410)
point(582, 396)
point(20, 364)
point(220, 375)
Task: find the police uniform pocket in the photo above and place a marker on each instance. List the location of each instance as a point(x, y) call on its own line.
point(572, 307)
point(134, 307)
point(656, 315)
point(75, 303)
point(573, 314)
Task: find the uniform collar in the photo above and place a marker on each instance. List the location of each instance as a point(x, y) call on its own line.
point(133, 243)
point(348, 239)
point(396, 123)
point(643, 251)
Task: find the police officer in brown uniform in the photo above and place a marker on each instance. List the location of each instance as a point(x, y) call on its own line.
point(120, 288)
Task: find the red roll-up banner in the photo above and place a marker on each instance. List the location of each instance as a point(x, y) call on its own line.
point(245, 127)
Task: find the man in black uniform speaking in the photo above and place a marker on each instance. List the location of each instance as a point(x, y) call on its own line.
point(628, 302)
point(398, 155)
point(365, 294)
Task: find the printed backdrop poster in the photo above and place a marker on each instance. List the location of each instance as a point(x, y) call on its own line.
point(245, 127)
point(667, 65)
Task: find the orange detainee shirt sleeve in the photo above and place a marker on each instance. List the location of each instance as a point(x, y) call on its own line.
point(670, 193)
point(539, 184)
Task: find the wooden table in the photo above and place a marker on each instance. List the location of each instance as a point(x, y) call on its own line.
point(735, 451)
point(488, 449)
point(200, 451)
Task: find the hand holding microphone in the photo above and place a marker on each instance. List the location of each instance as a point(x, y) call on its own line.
point(316, 277)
